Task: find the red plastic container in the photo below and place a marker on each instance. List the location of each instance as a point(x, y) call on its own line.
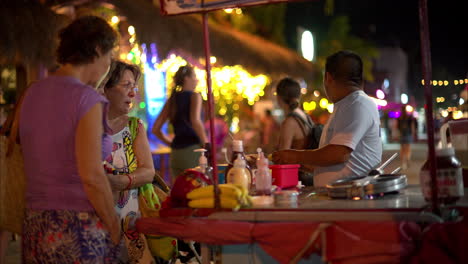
point(286, 175)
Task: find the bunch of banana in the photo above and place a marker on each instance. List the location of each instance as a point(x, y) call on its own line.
point(231, 196)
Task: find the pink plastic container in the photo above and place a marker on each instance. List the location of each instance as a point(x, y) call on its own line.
point(286, 175)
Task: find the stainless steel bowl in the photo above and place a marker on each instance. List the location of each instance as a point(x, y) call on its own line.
point(353, 186)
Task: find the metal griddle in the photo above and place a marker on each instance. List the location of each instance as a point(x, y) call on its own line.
point(376, 184)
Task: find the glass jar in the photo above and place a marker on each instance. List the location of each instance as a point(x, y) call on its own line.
point(449, 177)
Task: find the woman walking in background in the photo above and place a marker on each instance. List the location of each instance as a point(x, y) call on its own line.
point(183, 110)
point(70, 216)
point(407, 128)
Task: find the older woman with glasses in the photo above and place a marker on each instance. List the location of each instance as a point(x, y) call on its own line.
point(130, 164)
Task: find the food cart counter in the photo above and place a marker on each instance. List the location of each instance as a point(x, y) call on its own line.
point(315, 205)
point(372, 229)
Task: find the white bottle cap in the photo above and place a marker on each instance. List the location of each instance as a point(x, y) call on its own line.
point(202, 161)
point(237, 146)
point(445, 152)
point(239, 162)
point(261, 160)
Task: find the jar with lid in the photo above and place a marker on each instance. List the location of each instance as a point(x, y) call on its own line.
point(287, 199)
point(449, 177)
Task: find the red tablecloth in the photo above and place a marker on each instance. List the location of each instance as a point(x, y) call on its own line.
point(339, 242)
point(444, 243)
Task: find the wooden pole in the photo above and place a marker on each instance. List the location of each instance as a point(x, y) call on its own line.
point(206, 40)
point(427, 75)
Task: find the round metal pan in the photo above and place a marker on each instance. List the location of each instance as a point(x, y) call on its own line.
point(345, 182)
point(388, 189)
point(347, 188)
point(386, 180)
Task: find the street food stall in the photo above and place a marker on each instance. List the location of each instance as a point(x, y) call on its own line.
point(343, 231)
point(377, 218)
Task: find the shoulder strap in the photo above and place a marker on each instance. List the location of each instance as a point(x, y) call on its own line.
point(308, 122)
point(133, 125)
point(301, 123)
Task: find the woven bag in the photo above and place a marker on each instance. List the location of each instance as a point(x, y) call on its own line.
point(12, 178)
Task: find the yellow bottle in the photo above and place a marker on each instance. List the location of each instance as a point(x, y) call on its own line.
point(239, 174)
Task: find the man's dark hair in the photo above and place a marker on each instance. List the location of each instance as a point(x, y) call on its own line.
point(345, 66)
point(79, 40)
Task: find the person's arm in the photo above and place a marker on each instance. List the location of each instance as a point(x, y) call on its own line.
point(145, 169)
point(267, 130)
point(286, 133)
point(158, 124)
point(195, 117)
point(322, 157)
point(88, 158)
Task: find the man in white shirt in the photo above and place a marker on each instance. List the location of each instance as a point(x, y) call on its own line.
point(350, 144)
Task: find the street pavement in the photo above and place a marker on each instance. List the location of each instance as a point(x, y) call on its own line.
point(419, 152)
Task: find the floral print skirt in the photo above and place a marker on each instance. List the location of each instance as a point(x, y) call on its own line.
point(64, 236)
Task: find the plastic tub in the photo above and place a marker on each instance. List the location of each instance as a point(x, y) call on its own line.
point(286, 175)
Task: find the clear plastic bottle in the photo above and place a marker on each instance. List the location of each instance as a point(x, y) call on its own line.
point(203, 166)
point(239, 174)
point(238, 149)
point(262, 175)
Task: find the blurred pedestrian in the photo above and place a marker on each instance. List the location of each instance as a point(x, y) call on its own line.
point(297, 129)
point(183, 110)
point(269, 132)
point(294, 128)
point(70, 215)
point(407, 128)
point(221, 130)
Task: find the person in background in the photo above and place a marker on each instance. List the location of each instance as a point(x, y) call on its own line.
point(221, 130)
point(183, 110)
point(407, 128)
point(270, 136)
point(294, 131)
point(70, 215)
point(350, 144)
point(297, 126)
point(130, 164)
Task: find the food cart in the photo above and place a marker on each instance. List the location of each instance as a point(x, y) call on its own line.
point(377, 229)
point(340, 231)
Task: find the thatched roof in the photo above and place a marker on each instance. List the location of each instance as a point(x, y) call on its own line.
point(29, 32)
point(230, 46)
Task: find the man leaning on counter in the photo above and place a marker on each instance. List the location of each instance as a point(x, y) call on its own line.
point(350, 144)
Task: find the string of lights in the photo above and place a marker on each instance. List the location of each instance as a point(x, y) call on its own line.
point(446, 82)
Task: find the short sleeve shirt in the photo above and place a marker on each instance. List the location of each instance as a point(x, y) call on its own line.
point(49, 117)
point(354, 123)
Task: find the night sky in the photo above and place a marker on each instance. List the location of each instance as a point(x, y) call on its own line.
point(396, 22)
